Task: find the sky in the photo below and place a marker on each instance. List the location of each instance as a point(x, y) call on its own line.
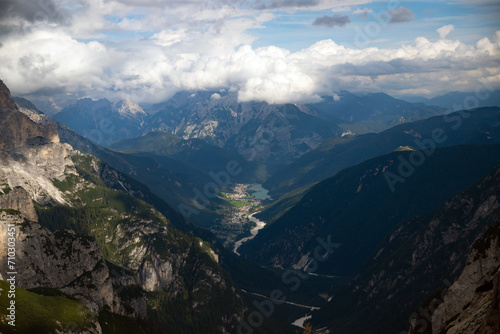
point(278, 51)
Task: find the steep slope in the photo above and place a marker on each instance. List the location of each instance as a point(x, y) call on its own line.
point(125, 257)
point(471, 303)
point(418, 257)
point(102, 121)
point(197, 153)
point(357, 207)
point(338, 153)
point(38, 313)
point(170, 179)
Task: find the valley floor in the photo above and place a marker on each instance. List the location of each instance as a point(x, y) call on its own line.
point(238, 223)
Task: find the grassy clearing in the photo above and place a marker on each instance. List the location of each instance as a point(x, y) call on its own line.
point(43, 314)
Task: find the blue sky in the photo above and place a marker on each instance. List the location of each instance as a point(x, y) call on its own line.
point(267, 50)
point(294, 30)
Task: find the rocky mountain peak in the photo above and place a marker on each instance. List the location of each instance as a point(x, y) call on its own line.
point(17, 130)
point(5, 98)
point(129, 108)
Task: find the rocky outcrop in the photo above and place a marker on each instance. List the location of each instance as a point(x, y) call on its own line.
point(30, 110)
point(31, 154)
point(19, 199)
point(58, 260)
point(17, 129)
point(6, 101)
point(123, 249)
point(472, 303)
point(67, 262)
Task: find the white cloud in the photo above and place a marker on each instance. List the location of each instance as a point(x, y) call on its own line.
point(193, 45)
point(52, 59)
point(445, 30)
point(169, 37)
point(364, 13)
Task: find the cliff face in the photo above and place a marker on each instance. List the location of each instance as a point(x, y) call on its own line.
point(31, 154)
point(472, 303)
point(96, 242)
point(18, 129)
point(69, 263)
point(59, 260)
point(18, 199)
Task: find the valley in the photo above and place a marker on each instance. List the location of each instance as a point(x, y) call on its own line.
point(249, 167)
point(299, 216)
point(237, 223)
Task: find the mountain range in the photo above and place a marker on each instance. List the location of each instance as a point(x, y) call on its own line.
point(332, 207)
point(336, 153)
point(114, 254)
point(383, 215)
point(272, 135)
point(484, 96)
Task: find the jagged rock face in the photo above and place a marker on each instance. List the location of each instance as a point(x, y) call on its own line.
point(31, 154)
point(67, 262)
point(30, 110)
point(19, 199)
point(114, 262)
point(472, 303)
point(5, 98)
point(277, 134)
point(18, 130)
point(60, 260)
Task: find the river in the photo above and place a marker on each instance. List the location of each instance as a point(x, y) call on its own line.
point(253, 232)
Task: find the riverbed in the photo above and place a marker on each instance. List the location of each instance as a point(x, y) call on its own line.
point(260, 225)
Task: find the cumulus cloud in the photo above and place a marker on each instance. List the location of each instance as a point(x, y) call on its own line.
point(332, 21)
point(33, 11)
point(401, 14)
point(208, 47)
point(52, 59)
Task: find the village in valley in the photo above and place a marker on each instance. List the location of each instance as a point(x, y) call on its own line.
point(237, 216)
